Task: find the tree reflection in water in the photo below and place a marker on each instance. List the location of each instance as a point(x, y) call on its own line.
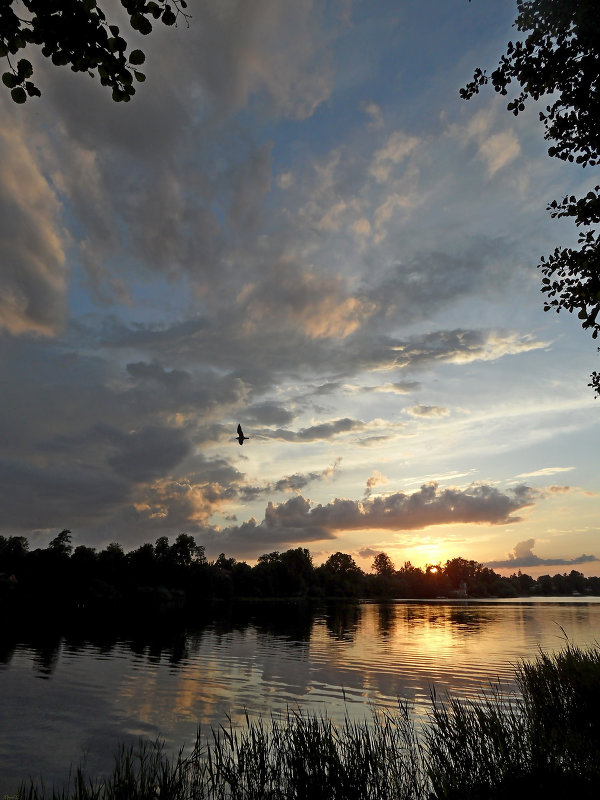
point(342, 620)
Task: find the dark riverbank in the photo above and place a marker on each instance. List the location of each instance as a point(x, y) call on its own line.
point(165, 579)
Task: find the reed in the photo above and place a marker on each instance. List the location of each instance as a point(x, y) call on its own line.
point(545, 740)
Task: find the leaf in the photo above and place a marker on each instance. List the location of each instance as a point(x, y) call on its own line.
point(18, 94)
point(140, 23)
point(136, 57)
point(169, 17)
point(32, 89)
point(145, 26)
point(10, 80)
point(24, 69)
point(139, 76)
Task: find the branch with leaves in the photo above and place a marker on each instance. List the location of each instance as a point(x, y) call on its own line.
point(560, 58)
point(76, 33)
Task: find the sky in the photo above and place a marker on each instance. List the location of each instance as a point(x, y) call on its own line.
point(296, 225)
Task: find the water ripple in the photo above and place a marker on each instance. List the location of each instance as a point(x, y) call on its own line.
point(344, 663)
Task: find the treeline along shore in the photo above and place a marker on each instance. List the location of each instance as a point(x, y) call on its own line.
point(167, 576)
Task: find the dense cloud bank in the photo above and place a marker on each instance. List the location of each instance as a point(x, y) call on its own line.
point(297, 520)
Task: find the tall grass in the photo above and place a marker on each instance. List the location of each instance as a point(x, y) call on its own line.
point(544, 741)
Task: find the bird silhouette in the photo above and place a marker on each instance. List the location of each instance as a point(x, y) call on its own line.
point(240, 437)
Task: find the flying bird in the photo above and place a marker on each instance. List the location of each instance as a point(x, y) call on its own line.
point(240, 437)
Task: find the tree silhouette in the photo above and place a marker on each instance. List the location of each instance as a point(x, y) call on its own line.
point(560, 58)
point(77, 33)
point(383, 564)
point(61, 544)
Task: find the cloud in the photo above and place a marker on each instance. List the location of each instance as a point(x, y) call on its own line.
point(261, 359)
point(400, 387)
point(297, 520)
point(325, 430)
point(374, 112)
point(368, 552)
point(33, 273)
point(463, 347)
point(153, 371)
point(427, 411)
point(238, 257)
point(495, 148)
point(289, 483)
point(268, 412)
point(274, 49)
point(148, 452)
point(544, 472)
point(498, 150)
point(523, 556)
point(395, 150)
point(66, 494)
point(376, 479)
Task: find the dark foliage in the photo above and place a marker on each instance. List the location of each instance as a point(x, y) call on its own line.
point(174, 578)
point(76, 33)
point(560, 58)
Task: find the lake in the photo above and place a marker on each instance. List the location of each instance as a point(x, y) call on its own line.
point(70, 698)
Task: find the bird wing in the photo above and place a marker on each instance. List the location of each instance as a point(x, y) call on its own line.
point(240, 433)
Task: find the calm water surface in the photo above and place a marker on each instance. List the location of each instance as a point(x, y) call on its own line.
point(67, 699)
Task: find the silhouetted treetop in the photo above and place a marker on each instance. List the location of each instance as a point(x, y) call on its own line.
point(383, 564)
point(76, 33)
point(61, 544)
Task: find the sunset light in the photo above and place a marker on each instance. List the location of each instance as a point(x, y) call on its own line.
point(336, 262)
point(289, 420)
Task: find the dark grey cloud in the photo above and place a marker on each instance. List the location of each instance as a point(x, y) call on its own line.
point(297, 520)
point(325, 430)
point(153, 371)
point(130, 405)
point(261, 358)
point(268, 412)
point(376, 479)
point(523, 556)
point(149, 452)
point(368, 552)
point(431, 279)
point(289, 483)
point(326, 388)
point(178, 192)
point(59, 493)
